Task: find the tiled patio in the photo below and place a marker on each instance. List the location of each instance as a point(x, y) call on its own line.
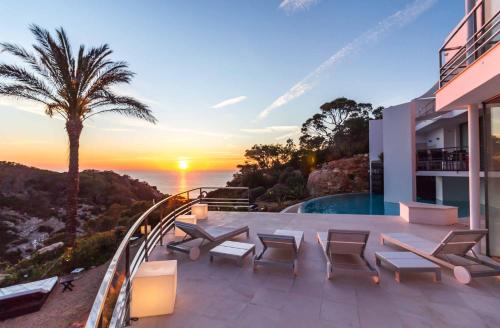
point(222, 294)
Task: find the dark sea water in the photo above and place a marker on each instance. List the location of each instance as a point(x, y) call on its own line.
point(172, 182)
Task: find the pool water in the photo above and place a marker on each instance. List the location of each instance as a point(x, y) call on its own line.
point(365, 203)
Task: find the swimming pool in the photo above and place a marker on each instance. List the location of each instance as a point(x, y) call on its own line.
point(364, 203)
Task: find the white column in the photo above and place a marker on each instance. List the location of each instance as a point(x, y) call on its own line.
point(439, 188)
point(474, 169)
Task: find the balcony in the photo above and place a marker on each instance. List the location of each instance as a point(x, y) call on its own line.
point(469, 71)
point(443, 159)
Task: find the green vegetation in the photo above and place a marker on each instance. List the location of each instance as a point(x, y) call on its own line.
point(32, 203)
point(278, 173)
point(72, 87)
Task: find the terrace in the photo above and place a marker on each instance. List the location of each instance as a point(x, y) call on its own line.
point(222, 294)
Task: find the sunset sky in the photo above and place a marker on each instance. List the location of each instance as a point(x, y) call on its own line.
point(221, 76)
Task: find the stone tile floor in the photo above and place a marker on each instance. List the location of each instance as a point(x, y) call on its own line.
point(222, 294)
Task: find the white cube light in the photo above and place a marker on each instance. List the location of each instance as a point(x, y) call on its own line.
point(145, 228)
point(184, 218)
point(200, 211)
point(154, 288)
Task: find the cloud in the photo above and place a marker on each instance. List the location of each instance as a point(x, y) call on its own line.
point(291, 6)
point(229, 102)
point(26, 106)
point(397, 20)
point(273, 129)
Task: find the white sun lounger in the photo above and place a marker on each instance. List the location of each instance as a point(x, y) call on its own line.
point(281, 239)
point(212, 234)
point(453, 252)
point(344, 251)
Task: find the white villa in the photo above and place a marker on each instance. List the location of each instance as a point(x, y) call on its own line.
point(337, 270)
point(445, 144)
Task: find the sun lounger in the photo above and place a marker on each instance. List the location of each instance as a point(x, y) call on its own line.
point(290, 240)
point(212, 234)
point(24, 298)
point(344, 251)
point(453, 252)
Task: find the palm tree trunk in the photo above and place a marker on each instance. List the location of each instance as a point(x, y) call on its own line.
point(74, 128)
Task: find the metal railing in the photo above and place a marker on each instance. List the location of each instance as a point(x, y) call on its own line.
point(443, 159)
point(469, 49)
point(111, 305)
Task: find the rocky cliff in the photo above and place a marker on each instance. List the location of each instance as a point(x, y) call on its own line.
point(340, 176)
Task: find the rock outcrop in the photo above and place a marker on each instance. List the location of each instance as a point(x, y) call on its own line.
point(340, 176)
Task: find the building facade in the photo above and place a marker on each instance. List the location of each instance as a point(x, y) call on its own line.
point(445, 145)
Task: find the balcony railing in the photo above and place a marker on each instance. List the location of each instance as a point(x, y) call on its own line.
point(459, 51)
point(111, 305)
point(443, 159)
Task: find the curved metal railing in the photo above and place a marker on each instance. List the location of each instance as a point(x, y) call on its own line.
point(111, 305)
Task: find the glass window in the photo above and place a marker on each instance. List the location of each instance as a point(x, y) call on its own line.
point(492, 157)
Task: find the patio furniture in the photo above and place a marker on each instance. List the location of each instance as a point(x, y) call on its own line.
point(233, 250)
point(200, 211)
point(67, 281)
point(212, 234)
point(424, 213)
point(154, 289)
point(25, 298)
point(407, 262)
point(453, 252)
point(290, 240)
point(184, 218)
point(344, 251)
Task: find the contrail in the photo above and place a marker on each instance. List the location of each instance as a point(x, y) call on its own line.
point(397, 20)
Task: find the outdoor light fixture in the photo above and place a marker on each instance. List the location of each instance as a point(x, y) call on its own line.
point(200, 211)
point(154, 288)
point(143, 229)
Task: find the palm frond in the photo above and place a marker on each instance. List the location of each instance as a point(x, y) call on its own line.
point(75, 87)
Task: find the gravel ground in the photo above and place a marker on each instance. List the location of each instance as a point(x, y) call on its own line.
point(62, 310)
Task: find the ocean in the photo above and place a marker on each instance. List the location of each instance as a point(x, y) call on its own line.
point(172, 182)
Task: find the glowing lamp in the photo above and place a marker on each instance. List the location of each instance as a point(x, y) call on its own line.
point(184, 218)
point(200, 211)
point(154, 288)
point(145, 228)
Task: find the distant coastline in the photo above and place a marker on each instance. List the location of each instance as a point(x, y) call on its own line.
point(171, 182)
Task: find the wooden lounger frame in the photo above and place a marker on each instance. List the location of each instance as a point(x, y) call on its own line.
point(194, 231)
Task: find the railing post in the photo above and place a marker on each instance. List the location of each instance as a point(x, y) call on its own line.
point(248, 199)
point(161, 225)
point(127, 286)
point(146, 239)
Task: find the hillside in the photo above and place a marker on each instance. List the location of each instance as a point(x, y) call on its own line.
point(32, 205)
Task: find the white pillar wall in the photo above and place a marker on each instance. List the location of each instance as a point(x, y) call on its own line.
point(474, 169)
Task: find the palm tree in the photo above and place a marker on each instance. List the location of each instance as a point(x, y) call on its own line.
point(75, 88)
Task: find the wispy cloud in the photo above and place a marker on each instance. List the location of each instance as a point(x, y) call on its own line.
point(26, 106)
point(291, 6)
point(273, 129)
point(136, 124)
point(229, 102)
point(397, 20)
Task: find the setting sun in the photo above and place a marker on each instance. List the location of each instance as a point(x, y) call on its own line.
point(182, 164)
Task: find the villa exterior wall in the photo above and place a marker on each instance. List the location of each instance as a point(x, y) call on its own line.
point(399, 153)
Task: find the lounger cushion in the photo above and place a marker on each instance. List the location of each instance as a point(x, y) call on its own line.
point(211, 233)
point(220, 233)
point(40, 286)
point(411, 242)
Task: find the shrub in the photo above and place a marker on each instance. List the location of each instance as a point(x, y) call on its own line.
point(93, 250)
